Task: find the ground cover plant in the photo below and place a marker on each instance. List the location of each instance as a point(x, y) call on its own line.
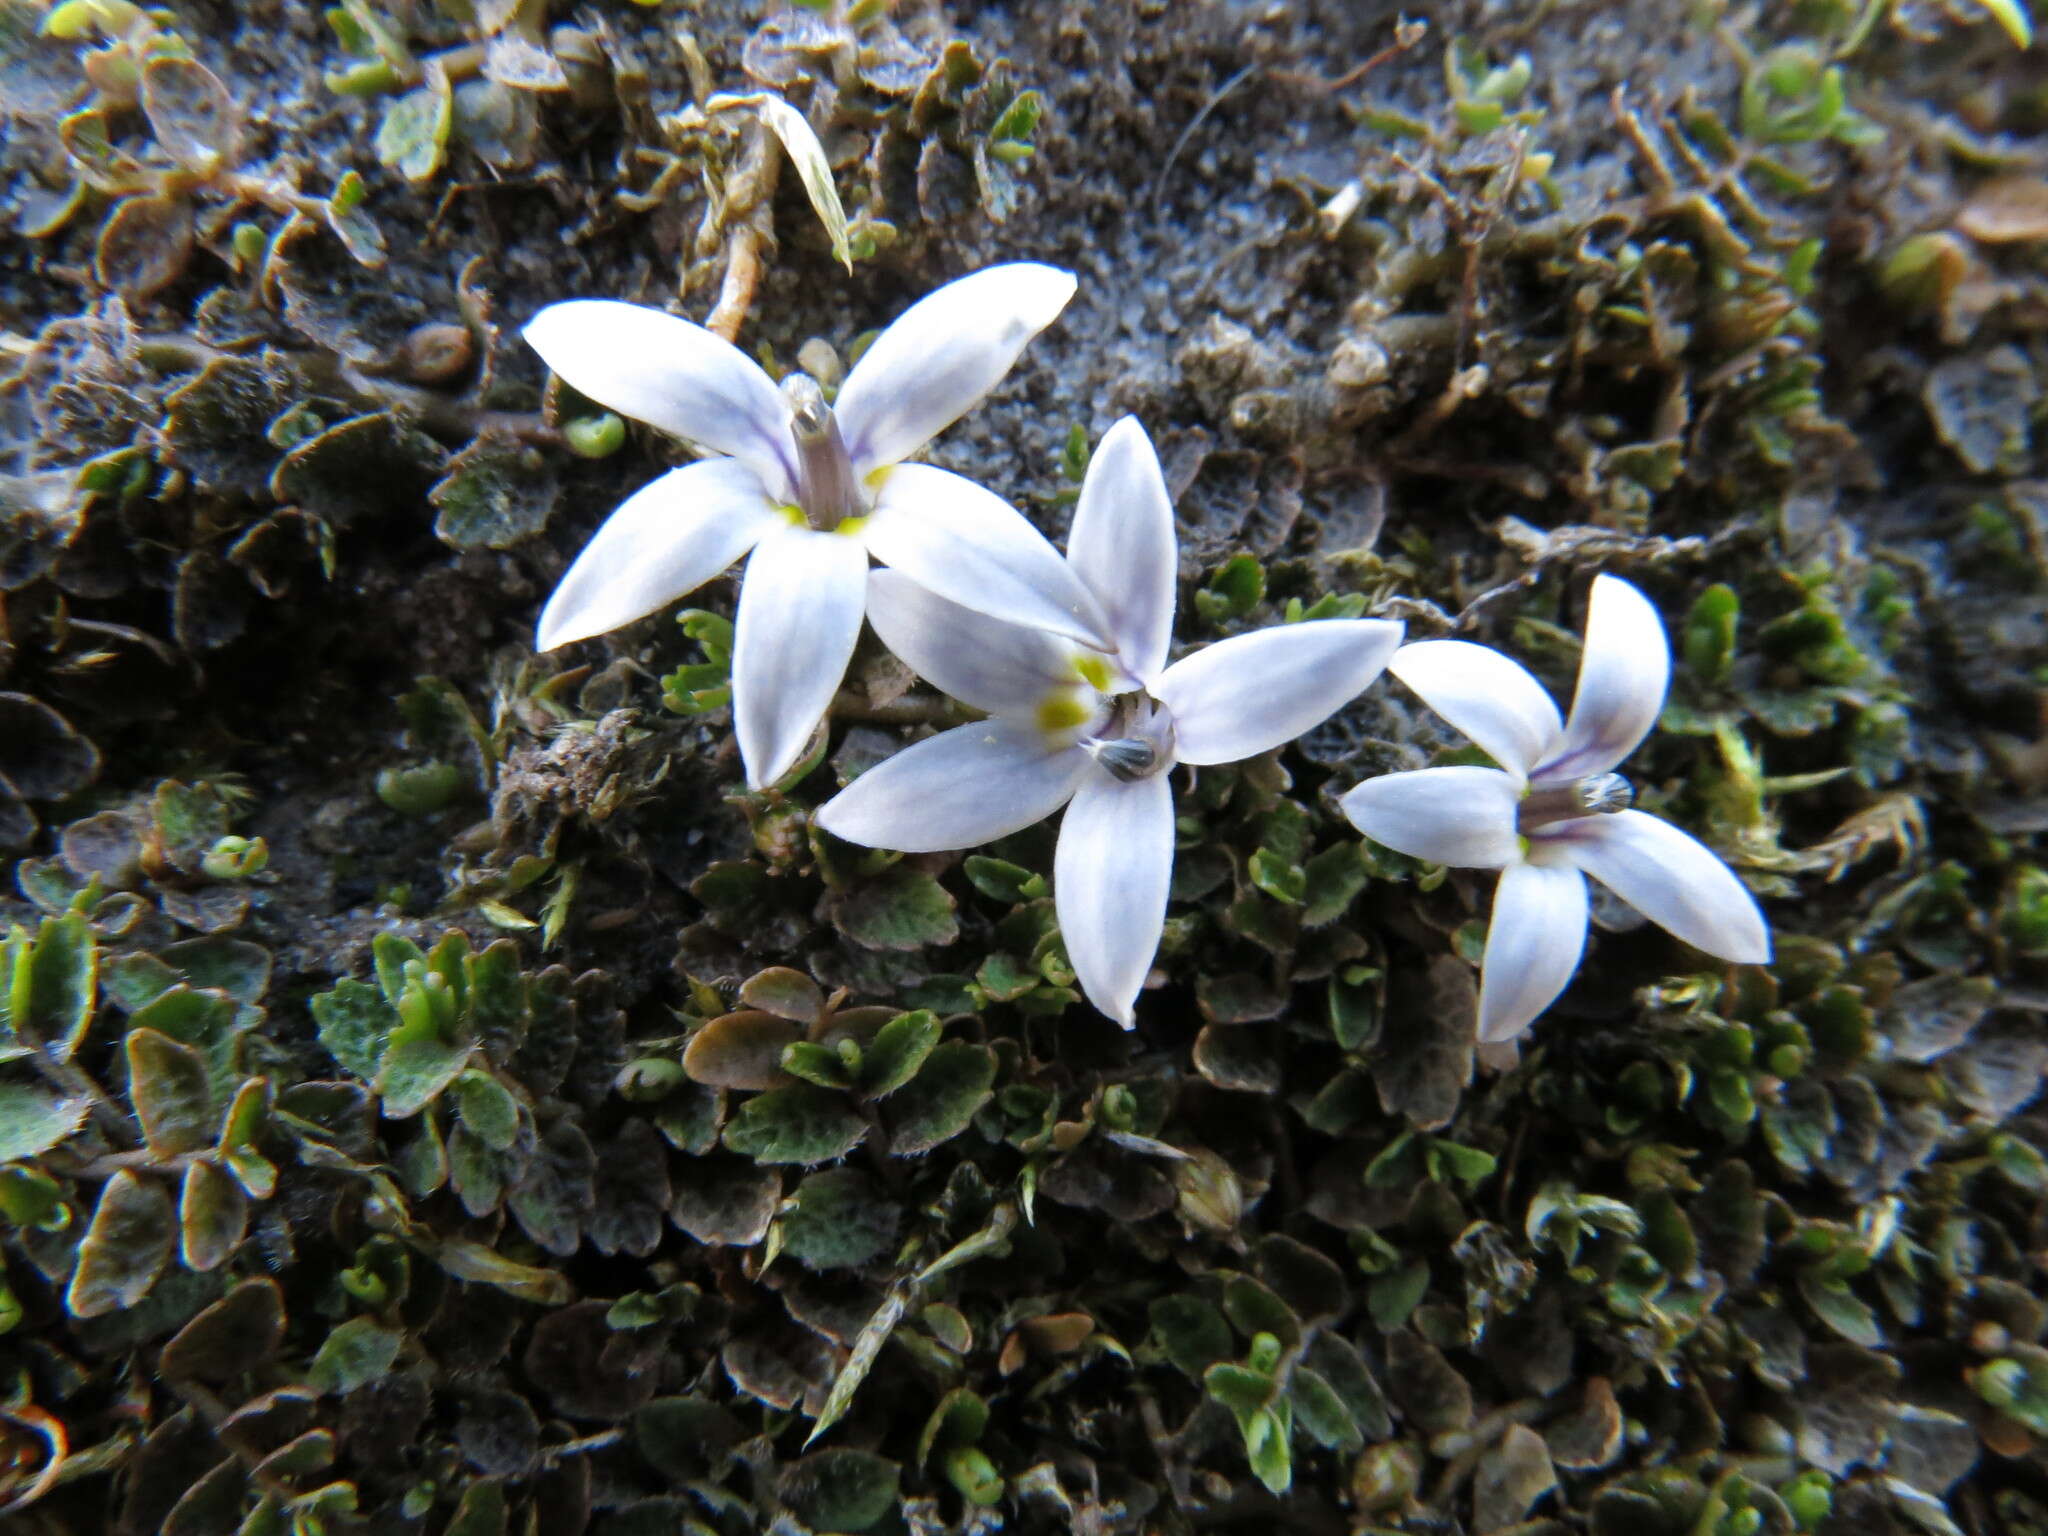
point(438, 1094)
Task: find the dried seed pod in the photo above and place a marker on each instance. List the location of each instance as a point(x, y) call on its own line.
point(437, 353)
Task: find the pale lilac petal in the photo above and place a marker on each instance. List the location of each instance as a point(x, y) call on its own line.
point(1533, 944)
point(1460, 816)
point(1487, 695)
point(1623, 672)
point(941, 356)
point(661, 369)
point(1669, 876)
point(1004, 668)
point(1251, 693)
point(1122, 545)
point(665, 540)
point(800, 610)
point(971, 546)
point(960, 789)
point(1109, 879)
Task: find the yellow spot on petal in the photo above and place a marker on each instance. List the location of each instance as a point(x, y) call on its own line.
point(793, 515)
point(877, 476)
point(851, 526)
point(1093, 670)
point(1061, 712)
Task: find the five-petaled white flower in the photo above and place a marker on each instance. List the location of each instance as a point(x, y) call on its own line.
point(812, 489)
point(1558, 812)
point(1071, 724)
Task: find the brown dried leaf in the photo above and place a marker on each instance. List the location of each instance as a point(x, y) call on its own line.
point(2005, 210)
point(126, 1247)
point(741, 1050)
point(144, 246)
point(191, 113)
point(234, 1335)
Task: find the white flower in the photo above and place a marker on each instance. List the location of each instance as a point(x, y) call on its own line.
point(813, 490)
point(1558, 812)
point(1071, 724)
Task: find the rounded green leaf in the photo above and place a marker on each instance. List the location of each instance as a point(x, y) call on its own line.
point(414, 133)
point(358, 1351)
point(33, 1120)
point(167, 1083)
point(941, 1100)
point(797, 1124)
point(840, 1220)
point(899, 1049)
point(840, 1490)
point(126, 1247)
point(213, 1215)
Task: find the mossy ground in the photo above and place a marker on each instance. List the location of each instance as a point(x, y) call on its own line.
point(535, 1132)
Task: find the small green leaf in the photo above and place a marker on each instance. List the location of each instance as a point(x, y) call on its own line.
point(419, 1061)
point(840, 1490)
point(51, 996)
point(1468, 1165)
point(898, 1050)
point(168, 1085)
point(356, 1352)
point(392, 953)
point(1239, 1388)
point(1019, 120)
point(816, 1063)
point(1234, 591)
point(1001, 880)
point(2019, 1161)
point(349, 192)
point(1278, 878)
point(126, 1247)
point(940, 1102)
point(839, 1219)
point(1393, 1296)
point(1330, 882)
point(414, 133)
point(354, 1023)
point(1191, 1331)
point(213, 1216)
point(1842, 1310)
point(1709, 639)
point(901, 908)
point(33, 1120)
point(487, 1108)
point(799, 1124)
point(1320, 1411)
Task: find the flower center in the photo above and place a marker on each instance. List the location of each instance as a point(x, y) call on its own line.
point(827, 489)
point(1136, 741)
point(1569, 799)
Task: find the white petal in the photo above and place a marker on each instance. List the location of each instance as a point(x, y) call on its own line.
point(1250, 693)
point(1122, 545)
point(1623, 672)
point(960, 789)
point(995, 666)
point(1109, 879)
point(800, 610)
point(971, 546)
point(1533, 944)
point(1669, 876)
point(1487, 695)
point(941, 356)
point(662, 369)
point(665, 540)
point(1461, 816)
